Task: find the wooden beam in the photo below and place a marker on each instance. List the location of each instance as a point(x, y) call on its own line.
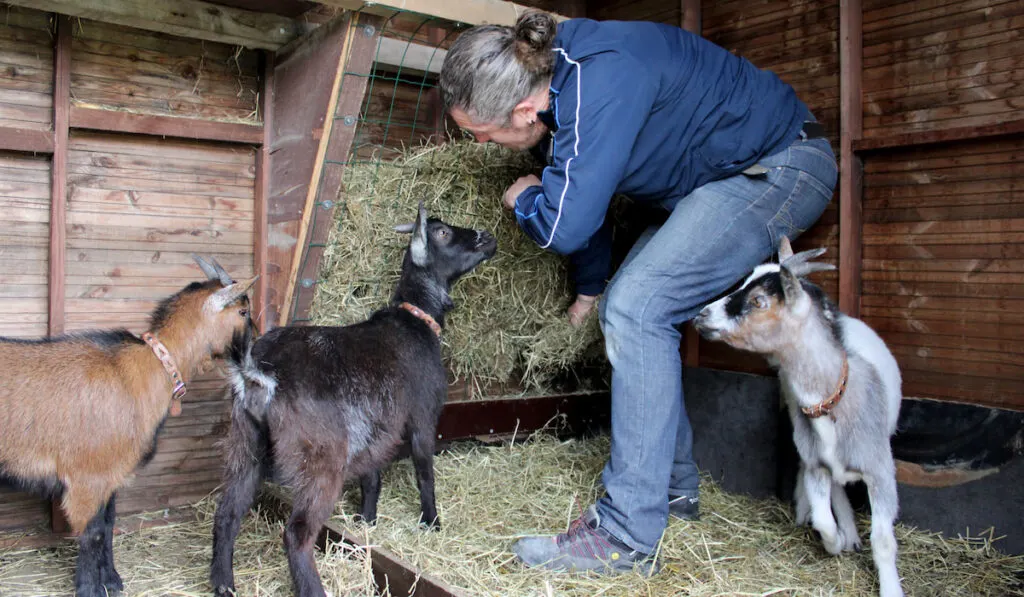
point(690, 20)
point(313, 189)
point(339, 130)
point(399, 576)
point(187, 18)
point(582, 413)
point(967, 133)
point(27, 140)
point(260, 227)
point(691, 15)
point(410, 56)
point(58, 202)
point(471, 12)
point(851, 171)
point(165, 126)
point(301, 91)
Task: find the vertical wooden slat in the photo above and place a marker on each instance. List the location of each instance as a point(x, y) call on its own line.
point(58, 192)
point(851, 172)
point(690, 20)
point(344, 110)
point(262, 188)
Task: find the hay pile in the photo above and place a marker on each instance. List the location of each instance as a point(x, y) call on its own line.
point(174, 560)
point(489, 496)
point(509, 320)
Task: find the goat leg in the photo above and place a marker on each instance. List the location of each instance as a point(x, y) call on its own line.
point(370, 485)
point(884, 505)
point(88, 574)
point(312, 506)
point(422, 444)
point(243, 475)
point(817, 489)
point(843, 511)
point(108, 573)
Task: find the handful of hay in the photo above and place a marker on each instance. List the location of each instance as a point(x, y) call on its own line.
point(510, 316)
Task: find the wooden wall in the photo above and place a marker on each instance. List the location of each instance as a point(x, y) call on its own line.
point(136, 207)
point(943, 279)
point(799, 42)
point(120, 68)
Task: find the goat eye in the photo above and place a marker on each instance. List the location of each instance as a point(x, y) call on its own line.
point(243, 312)
point(442, 233)
point(761, 301)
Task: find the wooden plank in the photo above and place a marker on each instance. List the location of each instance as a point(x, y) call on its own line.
point(335, 145)
point(410, 56)
point(187, 18)
point(471, 12)
point(262, 190)
point(58, 187)
point(146, 124)
point(27, 140)
point(1009, 127)
point(400, 577)
point(851, 168)
point(300, 97)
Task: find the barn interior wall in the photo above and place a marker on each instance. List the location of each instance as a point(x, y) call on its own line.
point(942, 255)
point(137, 207)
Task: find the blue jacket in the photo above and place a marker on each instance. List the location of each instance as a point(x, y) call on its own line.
point(650, 111)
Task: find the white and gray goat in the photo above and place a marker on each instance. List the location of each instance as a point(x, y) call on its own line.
point(842, 388)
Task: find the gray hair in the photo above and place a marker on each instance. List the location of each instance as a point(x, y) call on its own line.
point(491, 68)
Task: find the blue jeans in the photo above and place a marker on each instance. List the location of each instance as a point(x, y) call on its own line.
point(712, 239)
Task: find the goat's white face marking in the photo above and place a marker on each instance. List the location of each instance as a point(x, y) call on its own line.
point(755, 317)
point(418, 244)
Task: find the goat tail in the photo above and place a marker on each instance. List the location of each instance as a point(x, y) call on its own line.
point(251, 388)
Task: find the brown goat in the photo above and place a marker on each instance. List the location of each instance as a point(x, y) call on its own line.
point(78, 413)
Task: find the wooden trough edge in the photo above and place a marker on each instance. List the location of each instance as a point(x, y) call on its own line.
point(389, 570)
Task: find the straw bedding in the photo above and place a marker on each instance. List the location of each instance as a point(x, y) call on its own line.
point(509, 321)
point(174, 560)
point(489, 496)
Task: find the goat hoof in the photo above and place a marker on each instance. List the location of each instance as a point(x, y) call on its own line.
point(433, 525)
point(367, 520)
point(224, 591)
point(112, 581)
point(90, 590)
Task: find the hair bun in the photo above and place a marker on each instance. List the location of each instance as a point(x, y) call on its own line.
point(534, 32)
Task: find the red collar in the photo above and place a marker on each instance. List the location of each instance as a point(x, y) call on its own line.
point(825, 406)
point(425, 317)
point(167, 361)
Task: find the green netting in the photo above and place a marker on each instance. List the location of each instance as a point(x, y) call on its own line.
point(509, 333)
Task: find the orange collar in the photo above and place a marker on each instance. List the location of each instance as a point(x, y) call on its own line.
point(167, 361)
point(826, 406)
point(425, 317)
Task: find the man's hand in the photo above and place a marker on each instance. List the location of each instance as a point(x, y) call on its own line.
point(579, 310)
point(517, 188)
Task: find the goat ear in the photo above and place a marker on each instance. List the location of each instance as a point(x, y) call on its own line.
point(791, 288)
point(208, 268)
point(785, 249)
point(229, 294)
point(418, 244)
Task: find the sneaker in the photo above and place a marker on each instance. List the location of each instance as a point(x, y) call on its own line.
point(585, 546)
point(684, 507)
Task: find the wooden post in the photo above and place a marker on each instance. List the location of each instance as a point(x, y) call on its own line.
point(262, 189)
point(851, 167)
point(340, 124)
point(691, 21)
point(58, 200)
point(690, 17)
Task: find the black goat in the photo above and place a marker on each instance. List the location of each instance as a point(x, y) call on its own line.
point(314, 405)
